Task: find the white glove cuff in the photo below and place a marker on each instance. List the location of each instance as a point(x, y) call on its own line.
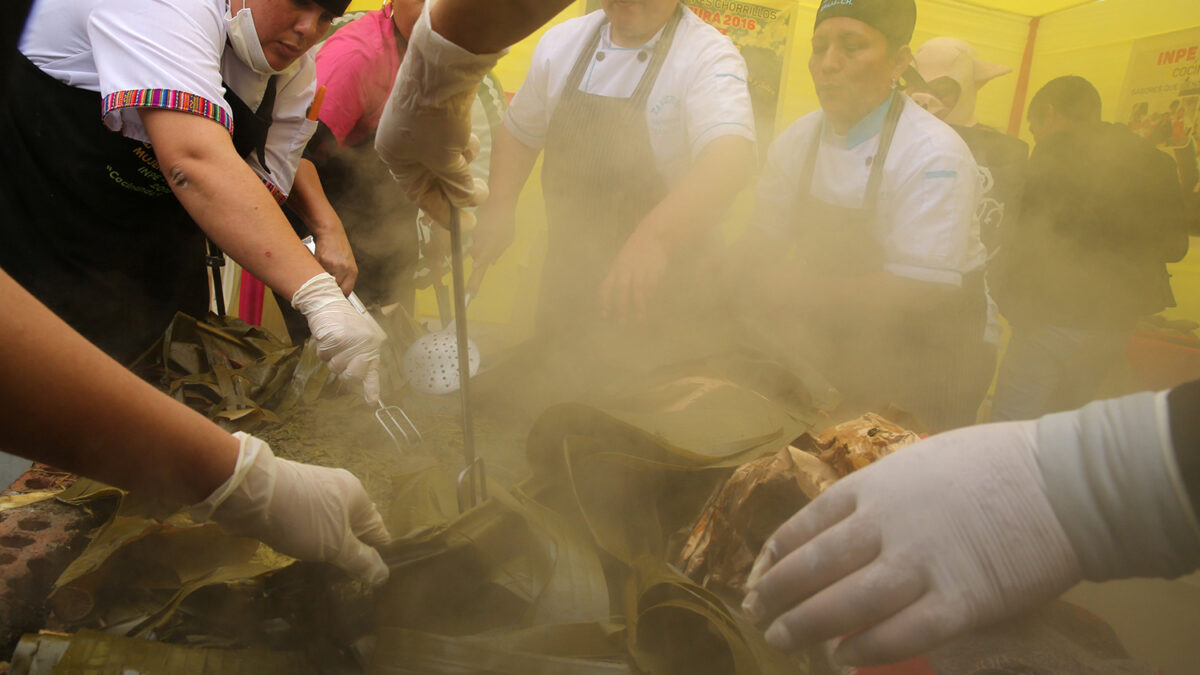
point(316, 293)
point(448, 68)
point(1113, 481)
point(248, 452)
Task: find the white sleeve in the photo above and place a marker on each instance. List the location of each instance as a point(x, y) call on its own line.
point(1111, 474)
point(158, 54)
point(717, 101)
point(290, 130)
point(528, 117)
point(932, 218)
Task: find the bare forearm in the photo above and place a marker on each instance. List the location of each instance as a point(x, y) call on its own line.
point(703, 195)
point(308, 200)
point(512, 162)
point(227, 199)
point(68, 404)
point(487, 26)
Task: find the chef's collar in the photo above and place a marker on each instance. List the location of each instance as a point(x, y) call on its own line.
point(867, 128)
point(607, 43)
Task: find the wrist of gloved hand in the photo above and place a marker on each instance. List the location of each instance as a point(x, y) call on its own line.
point(938, 538)
point(1113, 480)
point(346, 339)
point(444, 73)
point(304, 511)
point(424, 134)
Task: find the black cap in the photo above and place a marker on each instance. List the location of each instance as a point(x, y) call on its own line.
point(894, 18)
point(335, 7)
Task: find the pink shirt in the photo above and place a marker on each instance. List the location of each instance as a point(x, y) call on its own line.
point(357, 65)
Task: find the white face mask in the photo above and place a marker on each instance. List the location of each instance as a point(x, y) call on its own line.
point(244, 39)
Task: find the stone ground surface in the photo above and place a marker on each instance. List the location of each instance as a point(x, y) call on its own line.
point(37, 542)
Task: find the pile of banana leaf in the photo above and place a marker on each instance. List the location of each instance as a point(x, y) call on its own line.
point(235, 373)
point(563, 570)
point(567, 571)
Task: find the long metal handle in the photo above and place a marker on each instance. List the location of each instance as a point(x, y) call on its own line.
point(464, 363)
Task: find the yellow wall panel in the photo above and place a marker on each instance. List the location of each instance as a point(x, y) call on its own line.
point(1093, 39)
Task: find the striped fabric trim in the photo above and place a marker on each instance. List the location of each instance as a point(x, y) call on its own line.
point(278, 194)
point(169, 99)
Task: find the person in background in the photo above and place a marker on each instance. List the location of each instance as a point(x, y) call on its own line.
point(425, 128)
point(1103, 212)
point(202, 117)
point(645, 120)
point(876, 198)
point(948, 78)
point(357, 65)
point(980, 524)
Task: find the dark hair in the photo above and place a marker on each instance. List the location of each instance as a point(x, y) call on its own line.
point(1072, 97)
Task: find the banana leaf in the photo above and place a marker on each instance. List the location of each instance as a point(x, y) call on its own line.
point(237, 374)
point(145, 561)
point(583, 542)
point(94, 653)
point(563, 649)
point(16, 501)
point(675, 626)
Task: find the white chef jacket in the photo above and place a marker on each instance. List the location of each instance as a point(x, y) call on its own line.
point(926, 222)
point(169, 54)
point(700, 93)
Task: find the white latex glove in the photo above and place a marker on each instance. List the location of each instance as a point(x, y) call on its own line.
point(304, 511)
point(951, 533)
point(424, 133)
point(345, 338)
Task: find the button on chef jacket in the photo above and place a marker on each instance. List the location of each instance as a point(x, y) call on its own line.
point(700, 93)
point(925, 222)
point(169, 54)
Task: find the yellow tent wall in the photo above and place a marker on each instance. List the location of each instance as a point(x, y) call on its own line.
point(1092, 39)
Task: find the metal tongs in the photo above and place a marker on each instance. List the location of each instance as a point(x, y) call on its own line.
point(389, 416)
point(472, 480)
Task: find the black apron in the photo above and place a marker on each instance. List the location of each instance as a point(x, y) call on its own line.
point(922, 362)
point(600, 178)
point(91, 227)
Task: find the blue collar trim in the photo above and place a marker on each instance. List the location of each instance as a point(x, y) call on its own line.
point(869, 126)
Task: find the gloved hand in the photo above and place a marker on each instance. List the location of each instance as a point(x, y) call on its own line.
point(308, 512)
point(346, 339)
point(951, 533)
point(424, 133)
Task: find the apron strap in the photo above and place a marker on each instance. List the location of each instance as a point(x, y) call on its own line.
point(661, 48)
point(890, 123)
point(250, 127)
point(875, 180)
point(266, 110)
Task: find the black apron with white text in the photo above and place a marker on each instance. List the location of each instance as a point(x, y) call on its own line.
point(91, 227)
